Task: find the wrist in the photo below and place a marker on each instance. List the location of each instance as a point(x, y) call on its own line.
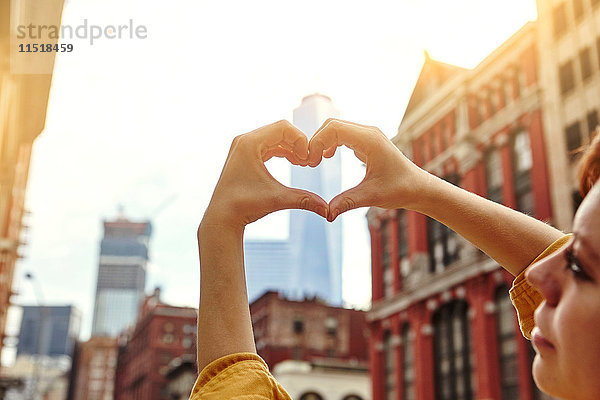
point(216, 219)
point(427, 193)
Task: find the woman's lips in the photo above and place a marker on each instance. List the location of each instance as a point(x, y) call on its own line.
point(539, 341)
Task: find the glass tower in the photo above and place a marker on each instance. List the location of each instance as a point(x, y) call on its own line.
point(121, 275)
point(316, 245)
point(268, 266)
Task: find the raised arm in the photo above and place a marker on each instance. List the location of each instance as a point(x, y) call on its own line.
point(244, 193)
point(511, 238)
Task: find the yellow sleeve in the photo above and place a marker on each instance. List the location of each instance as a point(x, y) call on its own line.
point(525, 297)
point(243, 376)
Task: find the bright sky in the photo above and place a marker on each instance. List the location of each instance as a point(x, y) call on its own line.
point(137, 121)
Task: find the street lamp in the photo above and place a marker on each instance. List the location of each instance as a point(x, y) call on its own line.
point(39, 297)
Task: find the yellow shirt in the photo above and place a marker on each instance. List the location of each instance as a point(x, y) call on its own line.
point(525, 297)
point(240, 376)
point(245, 376)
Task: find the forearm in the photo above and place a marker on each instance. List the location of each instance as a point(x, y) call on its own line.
point(224, 324)
point(511, 238)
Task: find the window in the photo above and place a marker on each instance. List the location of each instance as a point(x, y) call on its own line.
point(189, 328)
point(311, 396)
point(408, 365)
point(559, 19)
point(331, 325)
point(592, 121)
point(442, 242)
point(187, 342)
point(493, 169)
point(577, 9)
point(298, 325)
point(573, 136)
point(445, 135)
point(567, 77)
point(586, 63)
point(389, 367)
point(507, 345)
point(451, 352)
point(517, 81)
point(598, 47)
point(168, 338)
point(492, 100)
point(388, 277)
point(522, 162)
point(402, 234)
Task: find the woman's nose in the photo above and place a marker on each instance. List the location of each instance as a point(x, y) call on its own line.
point(547, 277)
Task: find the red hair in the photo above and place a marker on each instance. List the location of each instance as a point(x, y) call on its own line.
point(589, 165)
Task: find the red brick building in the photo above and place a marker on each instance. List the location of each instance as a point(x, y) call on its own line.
point(442, 325)
point(162, 333)
point(305, 330)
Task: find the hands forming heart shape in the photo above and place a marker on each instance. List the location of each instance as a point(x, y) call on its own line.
point(246, 191)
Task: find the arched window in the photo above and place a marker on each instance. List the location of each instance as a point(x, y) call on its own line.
point(522, 162)
point(507, 345)
point(452, 352)
point(389, 367)
point(408, 364)
point(352, 397)
point(311, 396)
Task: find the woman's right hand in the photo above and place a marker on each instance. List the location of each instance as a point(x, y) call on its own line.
point(391, 179)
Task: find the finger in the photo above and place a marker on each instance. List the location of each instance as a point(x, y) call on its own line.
point(282, 153)
point(330, 152)
point(282, 134)
point(336, 133)
point(290, 198)
point(356, 197)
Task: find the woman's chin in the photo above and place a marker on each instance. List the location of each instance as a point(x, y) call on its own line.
point(544, 376)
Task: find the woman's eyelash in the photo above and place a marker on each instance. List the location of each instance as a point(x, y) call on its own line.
point(575, 267)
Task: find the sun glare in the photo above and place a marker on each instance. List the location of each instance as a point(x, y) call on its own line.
point(463, 32)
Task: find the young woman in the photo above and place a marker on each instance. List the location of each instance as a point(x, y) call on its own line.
point(565, 280)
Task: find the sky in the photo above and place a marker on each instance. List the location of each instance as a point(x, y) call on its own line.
point(140, 122)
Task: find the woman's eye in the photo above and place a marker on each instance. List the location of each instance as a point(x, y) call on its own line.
point(573, 265)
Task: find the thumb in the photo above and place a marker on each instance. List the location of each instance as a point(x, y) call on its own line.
point(355, 197)
point(290, 198)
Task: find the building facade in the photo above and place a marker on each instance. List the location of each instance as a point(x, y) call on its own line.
point(324, 380)
point(268, 266)
point(569, 53)
point(442, 325)
point(316, 245)
point(43, 377)
point(94, 369)
point(306, 330)
point(49, 330)
point(121, 275)
point(161, 334)
point(23, 103)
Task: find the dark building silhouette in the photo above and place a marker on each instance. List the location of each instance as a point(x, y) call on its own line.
point(49, 331)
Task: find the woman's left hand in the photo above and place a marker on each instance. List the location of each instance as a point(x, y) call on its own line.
point(246, 191)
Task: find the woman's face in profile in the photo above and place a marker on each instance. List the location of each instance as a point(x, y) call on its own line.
point(567, 332)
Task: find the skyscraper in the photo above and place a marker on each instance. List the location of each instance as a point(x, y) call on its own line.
point(268, 266)
point(121, 275)
point(316, 245)
point(49, 331)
